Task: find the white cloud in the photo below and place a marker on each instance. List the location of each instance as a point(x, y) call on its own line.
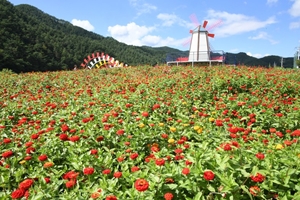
point(142, 7)
point(294, 25)
point(271, 2)
point(263, 36)
point(83, 24)
point(171, 19)
point(256, 55)
point(168, 19)
point(130, 34)
point(133, 34)
point(233, 24)
point(295, 9)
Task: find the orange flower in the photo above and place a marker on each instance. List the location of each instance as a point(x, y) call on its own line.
point(254, 190)
point(48, 164)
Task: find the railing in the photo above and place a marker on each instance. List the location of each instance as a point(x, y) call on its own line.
point(200, 56)
point(206, 56)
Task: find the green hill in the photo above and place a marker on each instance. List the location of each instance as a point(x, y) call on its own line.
point(243, 58)
point(32, 40)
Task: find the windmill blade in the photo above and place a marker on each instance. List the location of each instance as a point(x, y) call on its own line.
point(205, 24)
point(214, 25)
point(194, 20)
point(211, 35)
point(186, 42)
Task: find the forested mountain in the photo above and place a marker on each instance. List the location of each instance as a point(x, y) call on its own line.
point(31, 40)
point(243, 58)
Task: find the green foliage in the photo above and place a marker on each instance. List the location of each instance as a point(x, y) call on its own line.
point(244, 59)
point(298, 62)
point(6, 71)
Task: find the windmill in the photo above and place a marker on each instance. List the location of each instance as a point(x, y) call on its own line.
point(199, 44)
point(200, 50)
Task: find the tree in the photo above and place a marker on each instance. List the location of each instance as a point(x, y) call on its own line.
point(298, 63)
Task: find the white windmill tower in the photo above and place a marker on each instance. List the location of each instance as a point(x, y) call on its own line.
point(199, 44)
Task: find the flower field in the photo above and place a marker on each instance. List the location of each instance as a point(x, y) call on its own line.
point(151, 133)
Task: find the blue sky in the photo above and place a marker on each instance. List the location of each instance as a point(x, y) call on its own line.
point(256, 27)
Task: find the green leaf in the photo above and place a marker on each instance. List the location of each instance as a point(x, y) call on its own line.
point(198, 196)
point(247, 191)
point(75, 165)
point(286, 180)
point(285, 198)
point(211, 188)
point(172, 186)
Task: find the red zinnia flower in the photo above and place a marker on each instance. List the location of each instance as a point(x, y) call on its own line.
point(288, 142)
point(118, 174)
point(7, 154)
point(94, 151)
point(34, 136)
point(120, 159)
point(63, 137)
point(134, 156)
point(70, 175)
point(150, 157)
point(17, 194)
point(64, 127)
point(260, 156)
point(120, 132)
point(155, 106)
point(95, 195)
point(100, 138)
point(259, 178)
point(145, 114)
point(74, 138)
point(30, 150)
point(185, 171)
point(28, 158)
point(227, 147)
point(111, 197)
point(26, 184)
point(47, 179)
point(296, 133)
point(28, 144)
point(178, 151)
point(70, 183)
point(6, 140)
point(155, 149)
point(219, 122)
point(141, 185)
point(135, 168)
point(254, 190)
point(106, 171)
point(160, 162)
point(187, 162)
point(208, 175)
point(168, 196)
point(43, 157)
point(88, 171)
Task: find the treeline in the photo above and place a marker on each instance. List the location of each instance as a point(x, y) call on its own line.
point(31, 40)
point(267, 61)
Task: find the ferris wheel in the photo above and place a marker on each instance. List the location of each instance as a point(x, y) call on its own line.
point(101, 60)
